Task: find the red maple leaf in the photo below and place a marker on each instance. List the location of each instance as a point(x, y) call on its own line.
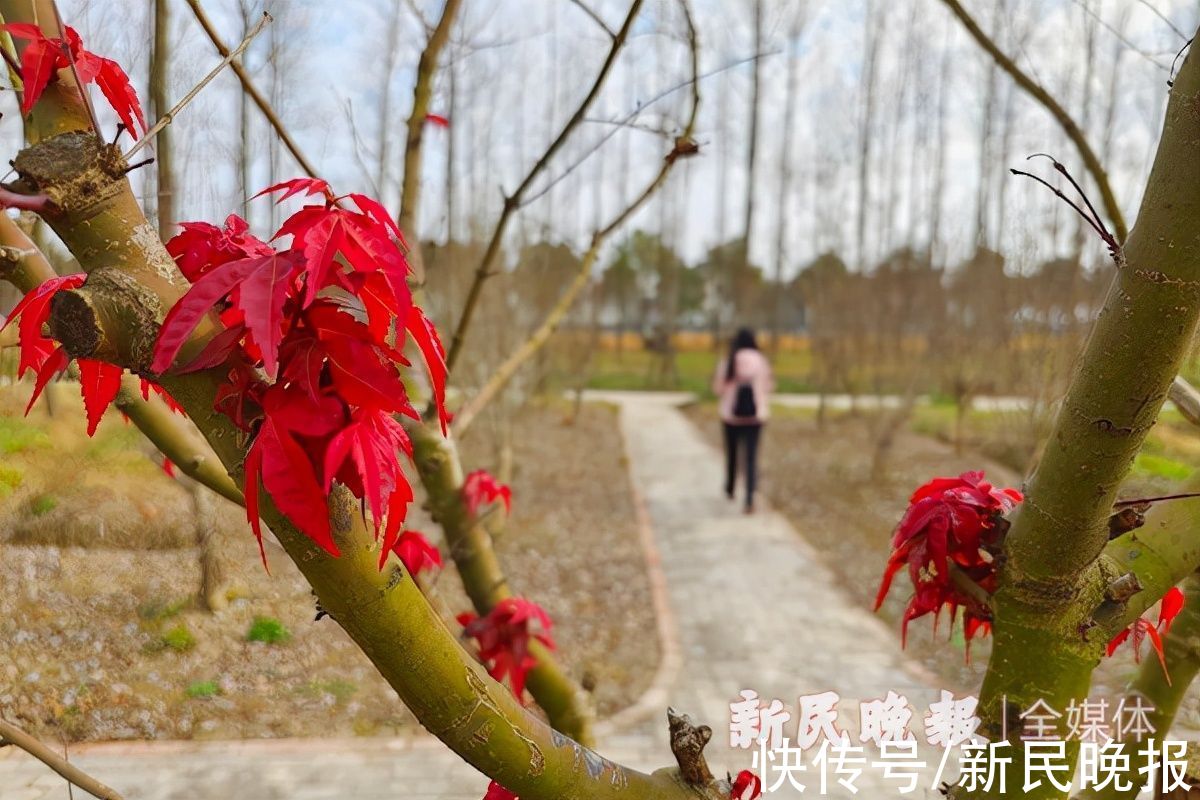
point(200, 246)
point(1142, 629)
point(44, 56)
point(746, 786)
point(438, 120)
point(258, 286)
point(99, 382)
point(497, 792)
point(949, 520)
point(364, 456)
point(279, 459)
point(503, 636)
point(480, 489)
point(416, 553)
point(430, 345)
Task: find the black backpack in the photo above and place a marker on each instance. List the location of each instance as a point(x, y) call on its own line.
point(744, 405)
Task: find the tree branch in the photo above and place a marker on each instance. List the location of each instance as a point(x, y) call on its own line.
point(1054, 575)
point(422, 91)
point(1090, 161)
point(168, 117)
point(250, 89)
point(1186, 398)
point(513, 201)
point(685, 146)
point(384, 612)
point(11, 734)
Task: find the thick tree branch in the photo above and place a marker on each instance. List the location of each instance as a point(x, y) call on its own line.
point(1090, 161)
point(567, 705)
point(410, 188)
point(513, 201)
point(11, 734)
point(1054, 576)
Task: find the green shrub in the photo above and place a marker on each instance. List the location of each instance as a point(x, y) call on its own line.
point(201, 689)
point(267, 630)
point(43, 504)
point(179, 639)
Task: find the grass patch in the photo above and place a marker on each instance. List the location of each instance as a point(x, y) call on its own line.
point(18, 436)
point(159, 610)
point(639, 369)
point(268, 631)
point(10, 479)
point(179, 639)
point(202, 689)
point(42, 504)
point(1161, 467)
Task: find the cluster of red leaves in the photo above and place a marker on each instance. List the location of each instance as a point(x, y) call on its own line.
point(43, 57)
point(416, 553)
point(311, 341)
point(482, 489)
point(503, 637)
point(955, 521)
point(746, 786)
point(98, 382)
point(497, 792)
point(1142, 629)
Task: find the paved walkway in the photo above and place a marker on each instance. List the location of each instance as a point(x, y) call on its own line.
point(752, 605)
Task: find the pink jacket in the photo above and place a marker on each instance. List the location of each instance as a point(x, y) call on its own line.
point(749, 366)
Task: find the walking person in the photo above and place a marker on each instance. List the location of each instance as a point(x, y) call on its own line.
point(743, 384)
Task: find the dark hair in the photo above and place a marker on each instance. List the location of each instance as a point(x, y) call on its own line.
point(742, 340)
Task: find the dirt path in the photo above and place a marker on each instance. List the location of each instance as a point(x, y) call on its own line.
point(752, 606)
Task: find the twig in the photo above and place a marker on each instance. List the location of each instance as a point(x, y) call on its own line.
point(1174, 61)
point(1093, 219)
point(626, 121)
point(250, 89)
point(596, 18)
point(1148, 500)
point(1120, 36)
point(1064, 119)
point(512, 201)
point(169, 117)
point(1165, 19)
point(684, 146)
point(15, 736)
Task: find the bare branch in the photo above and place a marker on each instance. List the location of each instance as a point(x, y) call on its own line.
point(1066, 122)
point(11, 734)
point(1165, 19)
point(422, 91)
point(684, 147)
point(169, 117)
point(248, 86)
point(512, 202)
point(1186, 398)
point(596, 18)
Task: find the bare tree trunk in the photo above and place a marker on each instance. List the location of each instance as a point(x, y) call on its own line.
point(871, 40)
point(391, 55)
point(160, 99)
point(212, 572)
point(785, 182)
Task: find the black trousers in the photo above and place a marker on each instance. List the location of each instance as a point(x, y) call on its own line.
point(743, 439)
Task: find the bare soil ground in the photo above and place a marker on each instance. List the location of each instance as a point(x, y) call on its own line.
point(100, 637)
